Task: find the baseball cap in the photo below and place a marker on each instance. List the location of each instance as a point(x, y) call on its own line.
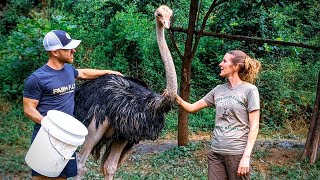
point(58, 39)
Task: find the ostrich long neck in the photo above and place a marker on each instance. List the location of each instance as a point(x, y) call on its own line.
point(166, 57)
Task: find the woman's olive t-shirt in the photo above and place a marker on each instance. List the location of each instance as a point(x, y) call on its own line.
point(231, 130)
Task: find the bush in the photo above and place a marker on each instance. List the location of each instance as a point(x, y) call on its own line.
point(286, 90)
point(23, 51)
point(13, 10)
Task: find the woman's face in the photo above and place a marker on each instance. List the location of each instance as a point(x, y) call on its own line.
point(227, 67)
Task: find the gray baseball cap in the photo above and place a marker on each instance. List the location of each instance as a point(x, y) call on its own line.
point(58, 39)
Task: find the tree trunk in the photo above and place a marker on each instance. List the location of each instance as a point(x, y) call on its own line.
point(315, 143)
point(186, 73)
point(312, 142)
point(185, 93)
point(190, 50)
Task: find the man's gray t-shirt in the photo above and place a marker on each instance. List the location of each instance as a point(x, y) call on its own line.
point(231, 130)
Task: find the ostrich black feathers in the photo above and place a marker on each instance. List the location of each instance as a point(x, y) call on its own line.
point(134, 112)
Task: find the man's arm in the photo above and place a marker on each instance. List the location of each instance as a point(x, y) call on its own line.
point(30, 110)
point(95, 73)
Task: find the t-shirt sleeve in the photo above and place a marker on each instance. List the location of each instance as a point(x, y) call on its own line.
point(253, 99)
point(75, 71)
point(209, 98)
point(32, 88)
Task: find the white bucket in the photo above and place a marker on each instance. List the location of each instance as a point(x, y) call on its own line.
point(57, 140)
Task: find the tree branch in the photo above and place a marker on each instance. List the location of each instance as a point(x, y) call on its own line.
point(203, 25)
point(191, 26)
point(249, 39)
point(175, 44)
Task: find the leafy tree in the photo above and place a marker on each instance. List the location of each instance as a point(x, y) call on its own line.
point(250, 18)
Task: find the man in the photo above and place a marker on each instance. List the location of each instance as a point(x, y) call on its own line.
point(52, 86)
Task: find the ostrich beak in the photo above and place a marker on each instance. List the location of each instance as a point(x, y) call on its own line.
point(166, 23)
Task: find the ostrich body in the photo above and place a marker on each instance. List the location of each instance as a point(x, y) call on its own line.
point(121, 111)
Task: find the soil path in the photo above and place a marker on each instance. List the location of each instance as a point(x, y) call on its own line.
point(151, 147)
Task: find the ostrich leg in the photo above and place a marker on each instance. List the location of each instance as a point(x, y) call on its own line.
point(124, 156)
point(93, 137)
point(111, 164)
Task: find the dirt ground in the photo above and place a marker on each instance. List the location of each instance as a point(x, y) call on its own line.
point(276, 157)
point(267, 152)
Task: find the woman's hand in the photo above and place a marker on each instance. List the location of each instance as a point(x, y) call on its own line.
point(244, 166)
point(179, 100)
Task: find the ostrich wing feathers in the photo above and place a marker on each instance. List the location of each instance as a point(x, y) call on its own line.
point(134, 112)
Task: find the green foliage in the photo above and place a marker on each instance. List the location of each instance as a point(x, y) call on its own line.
point(15, 135)
point(295, 171)
point(20, 55)
point(13, 10)
point(177, 162)
point(200, 121)
point(294, 24)
point(23, 51)
point(261, 154)
point(112, 38)
point(285, 90)
point(137, 46)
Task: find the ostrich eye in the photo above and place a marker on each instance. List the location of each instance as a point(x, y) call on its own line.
point(159, 14)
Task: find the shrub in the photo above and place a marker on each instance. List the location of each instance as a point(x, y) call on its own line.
point(23, 51)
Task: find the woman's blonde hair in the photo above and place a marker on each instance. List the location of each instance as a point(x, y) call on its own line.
point(249, 67)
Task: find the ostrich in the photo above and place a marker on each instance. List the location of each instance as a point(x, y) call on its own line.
point(121, 111)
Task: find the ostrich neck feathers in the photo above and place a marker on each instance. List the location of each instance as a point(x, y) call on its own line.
point(167, 60)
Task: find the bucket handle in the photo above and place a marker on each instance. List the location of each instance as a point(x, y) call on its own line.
point(65, 158)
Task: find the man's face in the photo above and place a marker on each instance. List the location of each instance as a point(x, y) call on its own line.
point(66, 55)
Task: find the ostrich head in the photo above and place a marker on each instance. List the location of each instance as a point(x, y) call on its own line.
point(163, 15)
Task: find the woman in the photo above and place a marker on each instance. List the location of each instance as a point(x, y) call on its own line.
point(237, 106)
